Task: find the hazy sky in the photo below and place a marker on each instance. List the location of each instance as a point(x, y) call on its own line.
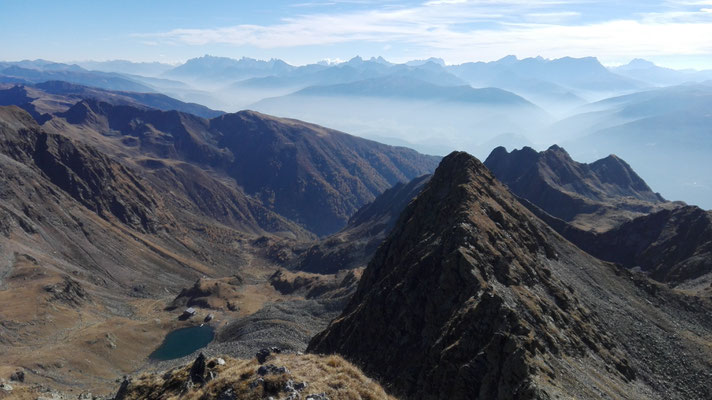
point(675, 33)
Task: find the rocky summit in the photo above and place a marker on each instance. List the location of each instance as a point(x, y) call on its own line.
point(595, 196)
point(473, 297)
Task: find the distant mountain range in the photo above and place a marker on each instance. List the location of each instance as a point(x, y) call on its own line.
point(127, 67)
point(558, 84)
point(128, 78)
point(73, 74)
point(226, 69)
point(43, 99)
point(431, 118)
point(650, 73)
point(572, 74)
point(406, 88)
point(543, 80)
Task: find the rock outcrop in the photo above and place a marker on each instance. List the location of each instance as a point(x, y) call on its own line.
point(213, 294)
point(287, 376)
point(68, 291)
point(473, 297)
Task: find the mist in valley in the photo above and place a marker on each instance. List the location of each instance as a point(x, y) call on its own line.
point(657, 119)
point(662, 132)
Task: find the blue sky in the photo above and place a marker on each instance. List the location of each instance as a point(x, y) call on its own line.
point(673, 33)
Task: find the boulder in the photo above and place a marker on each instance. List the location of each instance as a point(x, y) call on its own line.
point(197, 370)
point(18, 376)
point(123, 389)
point(271, 369)
point(320, 396)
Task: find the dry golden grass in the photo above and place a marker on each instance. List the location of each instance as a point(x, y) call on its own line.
point(333, 375)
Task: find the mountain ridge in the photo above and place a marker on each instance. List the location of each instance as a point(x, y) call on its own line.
point(455, 304)
point(596, 195)
point(272, 159)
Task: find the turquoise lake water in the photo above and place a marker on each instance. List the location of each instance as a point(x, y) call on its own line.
point(182, 342)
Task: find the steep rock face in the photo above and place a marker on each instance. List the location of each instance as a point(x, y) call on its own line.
point(77, 213)
point(601, 194)
point(167, 134)
point(195, 193)
point(310, 174)
point(180, 158)
point(354, 245)
point(103, 186)
point(473, 297)
point(681, 250)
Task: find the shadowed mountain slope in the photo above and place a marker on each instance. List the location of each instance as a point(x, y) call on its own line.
point(473, 297)
point(597, 195)
point(312, 175)
point(354, 245)
point(152, 100)
point(103, 186)
point(671, 246)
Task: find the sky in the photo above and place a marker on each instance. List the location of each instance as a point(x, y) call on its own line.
point(672, 33)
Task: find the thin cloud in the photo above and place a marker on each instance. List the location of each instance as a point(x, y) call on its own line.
point(457, 29)
point(333, 2)
point(442, 2)
point(553, 17)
